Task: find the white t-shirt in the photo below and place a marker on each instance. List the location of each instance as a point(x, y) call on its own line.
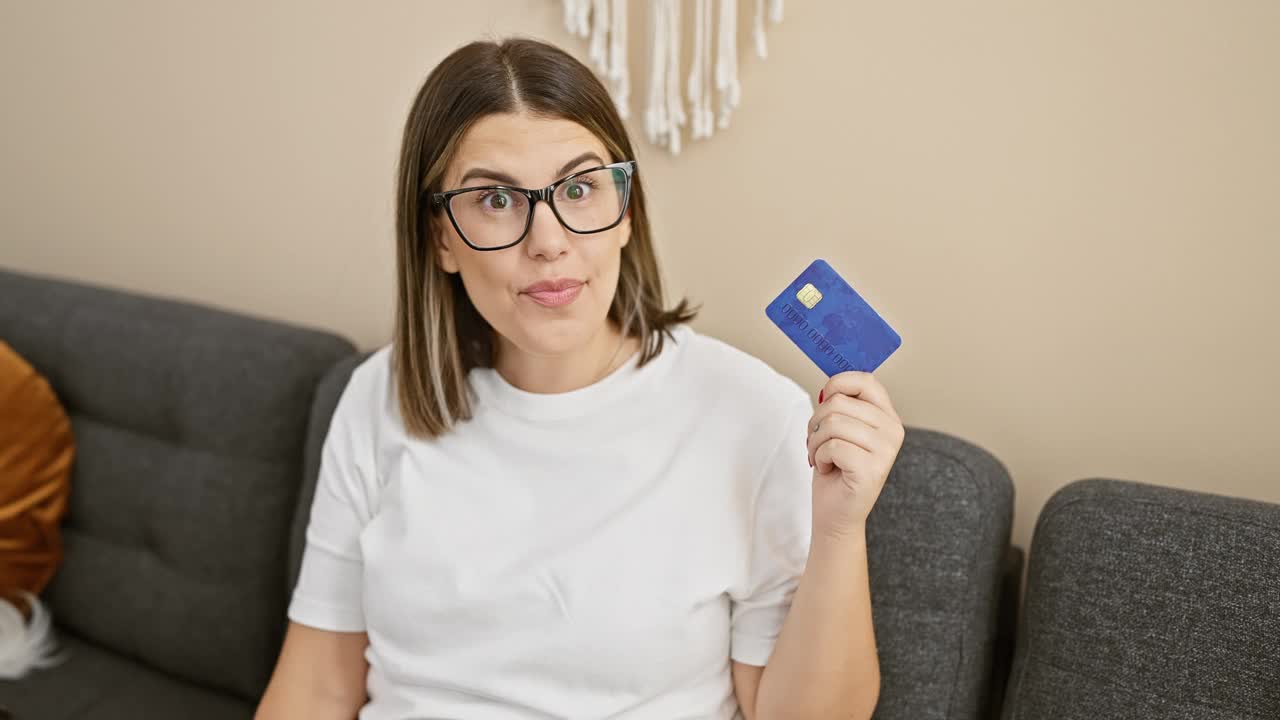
point(597, 553)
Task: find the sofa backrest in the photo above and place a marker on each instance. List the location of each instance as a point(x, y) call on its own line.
point(190, 424)
point(1149, 602)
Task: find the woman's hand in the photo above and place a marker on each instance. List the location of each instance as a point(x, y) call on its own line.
point(856, 441)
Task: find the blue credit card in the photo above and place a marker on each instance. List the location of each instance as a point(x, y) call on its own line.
point(831, 322)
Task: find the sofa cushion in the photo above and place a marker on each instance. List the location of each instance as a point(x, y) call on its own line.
point(1149, 602)
point(98, 684)
point(36, 455)
point(190, 426)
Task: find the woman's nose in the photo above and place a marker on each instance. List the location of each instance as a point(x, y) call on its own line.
point(546, 235)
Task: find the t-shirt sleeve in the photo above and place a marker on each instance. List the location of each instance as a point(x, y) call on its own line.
point(779, 543)
point(329, 592)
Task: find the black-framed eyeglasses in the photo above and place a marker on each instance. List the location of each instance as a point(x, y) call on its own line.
point(495, 217)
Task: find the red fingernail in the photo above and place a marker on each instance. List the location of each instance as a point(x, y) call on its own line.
point(820, 395)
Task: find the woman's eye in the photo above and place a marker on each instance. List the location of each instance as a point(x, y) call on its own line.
point(497, 200)
point(576, 191)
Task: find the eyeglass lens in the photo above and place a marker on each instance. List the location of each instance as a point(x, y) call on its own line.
point(585, 203)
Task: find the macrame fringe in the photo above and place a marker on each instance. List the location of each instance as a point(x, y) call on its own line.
point(604, 24)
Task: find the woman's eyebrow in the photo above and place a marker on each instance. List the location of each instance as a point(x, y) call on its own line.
point(508, 180)
point(588, 155)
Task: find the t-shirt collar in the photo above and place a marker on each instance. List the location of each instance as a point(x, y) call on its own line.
point(494, 389)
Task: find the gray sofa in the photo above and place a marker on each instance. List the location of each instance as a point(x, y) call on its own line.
point(1149, 602)
point(198, 435)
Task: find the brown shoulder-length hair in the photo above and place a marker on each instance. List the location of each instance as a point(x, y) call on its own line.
point(439, 334)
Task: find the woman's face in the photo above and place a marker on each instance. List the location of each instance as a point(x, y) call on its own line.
point(532, 152)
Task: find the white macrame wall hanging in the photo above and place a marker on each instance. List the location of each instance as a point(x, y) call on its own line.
point(604, 22)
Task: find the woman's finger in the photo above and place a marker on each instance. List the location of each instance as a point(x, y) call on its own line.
point(843, 405)
point(838, 453)
point(857, 384)
point(838, 426)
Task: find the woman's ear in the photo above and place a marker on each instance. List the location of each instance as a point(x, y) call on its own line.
point(626, 228)
point(440, 245)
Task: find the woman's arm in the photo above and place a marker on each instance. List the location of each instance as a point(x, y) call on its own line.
point(320, 676)
point(824, 663)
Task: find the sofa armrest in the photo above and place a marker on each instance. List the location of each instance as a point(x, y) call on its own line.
point(1006, 626)
point(937, 541)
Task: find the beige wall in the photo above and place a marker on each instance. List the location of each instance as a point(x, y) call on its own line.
point(1068, 210)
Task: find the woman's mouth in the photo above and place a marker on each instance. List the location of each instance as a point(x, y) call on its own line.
point(556, 298)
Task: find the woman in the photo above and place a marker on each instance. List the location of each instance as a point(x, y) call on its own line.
point(551, 497)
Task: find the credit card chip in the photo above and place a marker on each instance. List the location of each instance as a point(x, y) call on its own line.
point(809, 295)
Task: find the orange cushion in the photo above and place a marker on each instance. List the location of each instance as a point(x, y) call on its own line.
point(36, 452)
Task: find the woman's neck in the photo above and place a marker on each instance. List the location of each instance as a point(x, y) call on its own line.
point(605, 352)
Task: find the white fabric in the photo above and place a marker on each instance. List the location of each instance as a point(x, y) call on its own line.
point(597, 553)
point(696, 84)
point(604, 23)
point(664, 115)
point(727, 62)
point(619, 77)
point(598, 49)
point(676, 117)
point(26, 645)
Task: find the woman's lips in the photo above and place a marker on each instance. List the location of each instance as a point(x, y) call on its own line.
point(556, 298)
